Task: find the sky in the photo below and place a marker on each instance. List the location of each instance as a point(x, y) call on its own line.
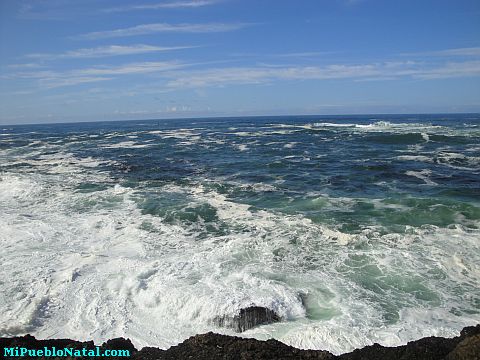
point(95, 60)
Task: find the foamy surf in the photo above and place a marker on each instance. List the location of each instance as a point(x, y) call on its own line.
point(351, 240)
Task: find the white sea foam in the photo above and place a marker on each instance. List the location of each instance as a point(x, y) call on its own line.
point(241, 147)
point(95, 265)
point(422, 175)
point(262, 133)
point(327, 124)
point(382, 126)
point(421, 158)
point(125, 144)
point(458, 161)
point(246, 133)
point(425, 137)
point(177, 134)
point(56, 163)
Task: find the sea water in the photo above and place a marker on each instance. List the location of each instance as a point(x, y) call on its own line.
point(353, 229)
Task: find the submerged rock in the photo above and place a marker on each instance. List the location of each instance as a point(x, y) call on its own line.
point(248, 318)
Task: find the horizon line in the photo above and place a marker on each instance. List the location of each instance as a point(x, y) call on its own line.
point(242, 116)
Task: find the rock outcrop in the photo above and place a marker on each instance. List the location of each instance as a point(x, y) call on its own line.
point(212, 346)
point(248, 318)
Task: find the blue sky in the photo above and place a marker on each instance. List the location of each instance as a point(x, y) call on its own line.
point(74, 60)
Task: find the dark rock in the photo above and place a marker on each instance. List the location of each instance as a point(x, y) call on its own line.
point(150, 353)
point(28, 341)
point(470, 331)
point(215, 346)
point(119, 344)
point(248, 318)
point(467, 349)
point(429, 348)
point(212, 346)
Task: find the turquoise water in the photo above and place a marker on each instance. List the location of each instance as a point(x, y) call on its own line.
point(354, 229)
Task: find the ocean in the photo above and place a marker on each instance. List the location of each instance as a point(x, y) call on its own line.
point(353, 229)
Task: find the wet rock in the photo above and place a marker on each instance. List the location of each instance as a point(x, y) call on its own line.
point(119, 344)
point(248, 318)
point(428, 348)
point(212, 346)
point(468, 349)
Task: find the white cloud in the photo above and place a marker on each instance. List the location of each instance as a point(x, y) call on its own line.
point(105, 51)
point(163, 27)
point(451, 70)
point(469, 51)
point(172, 75)
point(376, 71)
point(256, 75)
point(165, 5)
point(55, 82)
point(133, 68)
point(24, 66)
point(53, 79)
point(306, 54)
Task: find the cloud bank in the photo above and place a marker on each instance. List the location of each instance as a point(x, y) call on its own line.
point(106, 51)
point(164, 5)
point(163, 27)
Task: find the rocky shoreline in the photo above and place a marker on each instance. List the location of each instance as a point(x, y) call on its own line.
point(213, 346)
